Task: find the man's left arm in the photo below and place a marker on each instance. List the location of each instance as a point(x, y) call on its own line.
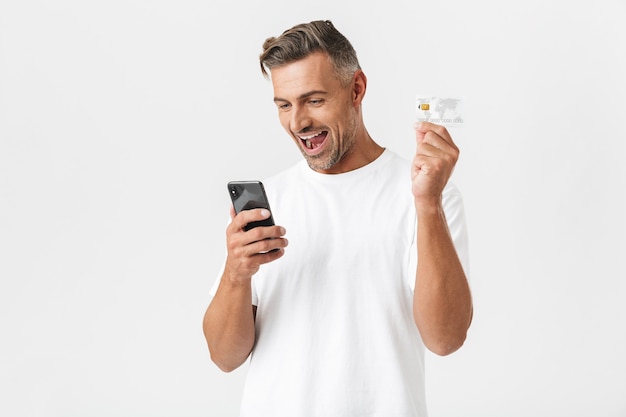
point(442, 302)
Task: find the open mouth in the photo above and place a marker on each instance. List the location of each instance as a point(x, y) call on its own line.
point(314, 141)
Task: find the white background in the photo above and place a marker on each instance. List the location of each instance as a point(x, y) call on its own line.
point(122, 121)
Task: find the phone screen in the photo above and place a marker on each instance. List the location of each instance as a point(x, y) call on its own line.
point(247, 195)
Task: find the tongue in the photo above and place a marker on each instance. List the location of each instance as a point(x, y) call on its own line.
point(317, 140)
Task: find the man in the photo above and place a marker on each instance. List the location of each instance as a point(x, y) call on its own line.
point(336, 322)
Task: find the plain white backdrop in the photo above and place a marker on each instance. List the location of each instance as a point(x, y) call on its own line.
point(122, 121)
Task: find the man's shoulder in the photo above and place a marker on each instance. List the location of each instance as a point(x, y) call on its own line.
point(285, 179)
point(397, 159)
point(286, 173)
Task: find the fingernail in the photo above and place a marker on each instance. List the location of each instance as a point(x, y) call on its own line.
point(418, 125)
point(265, 213)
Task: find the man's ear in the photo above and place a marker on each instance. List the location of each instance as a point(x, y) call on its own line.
point(359, 85)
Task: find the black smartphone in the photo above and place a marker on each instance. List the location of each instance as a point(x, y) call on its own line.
point(247, 195)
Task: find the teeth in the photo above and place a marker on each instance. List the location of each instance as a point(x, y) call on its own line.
point(308, 144)
point(310, 137)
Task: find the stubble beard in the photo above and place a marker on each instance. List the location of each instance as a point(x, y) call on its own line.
point(339, 150)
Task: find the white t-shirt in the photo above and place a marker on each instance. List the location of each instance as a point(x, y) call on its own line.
point(335, 330)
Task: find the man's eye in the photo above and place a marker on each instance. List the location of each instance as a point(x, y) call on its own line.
point(284, 106)
point(315, 102)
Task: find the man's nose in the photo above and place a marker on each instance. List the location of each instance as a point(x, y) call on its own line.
point(300, 120)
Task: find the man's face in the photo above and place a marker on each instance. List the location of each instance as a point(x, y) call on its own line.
point(317, 111)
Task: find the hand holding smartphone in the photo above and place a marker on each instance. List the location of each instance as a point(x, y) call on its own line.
point(247, 195)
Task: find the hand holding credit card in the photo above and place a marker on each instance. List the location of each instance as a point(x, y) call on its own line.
point(436, 153)
point(445, 111)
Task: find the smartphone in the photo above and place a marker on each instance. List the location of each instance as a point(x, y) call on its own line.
point(247, 195)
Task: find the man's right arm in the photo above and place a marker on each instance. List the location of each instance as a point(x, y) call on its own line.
point(228, 323)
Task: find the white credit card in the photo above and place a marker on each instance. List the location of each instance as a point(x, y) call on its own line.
point(445, 111)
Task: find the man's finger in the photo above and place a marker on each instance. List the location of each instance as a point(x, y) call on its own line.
point(248, 216)
point(422, 128)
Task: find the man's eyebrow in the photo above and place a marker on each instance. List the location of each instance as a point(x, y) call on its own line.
point(302, 96)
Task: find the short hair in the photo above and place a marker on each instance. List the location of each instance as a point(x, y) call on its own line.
point(304, 39)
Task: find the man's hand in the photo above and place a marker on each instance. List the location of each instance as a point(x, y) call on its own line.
point(442, 304)
point(434, 161)
point(229, 320)
point(248, 250)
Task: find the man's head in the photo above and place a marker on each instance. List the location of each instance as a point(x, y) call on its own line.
point(318, 90)
point(304, 39)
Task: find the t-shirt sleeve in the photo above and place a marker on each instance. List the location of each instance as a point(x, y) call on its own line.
point(216, 283)
point(455, 216)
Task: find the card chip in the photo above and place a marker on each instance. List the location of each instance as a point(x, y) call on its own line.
point(425, 106)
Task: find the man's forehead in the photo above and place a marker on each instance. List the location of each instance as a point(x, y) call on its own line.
point(314, 72)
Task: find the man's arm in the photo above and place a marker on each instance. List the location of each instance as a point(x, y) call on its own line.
point(228, 323)
point(442, 303)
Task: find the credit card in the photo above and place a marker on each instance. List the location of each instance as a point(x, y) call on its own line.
point(446, 111)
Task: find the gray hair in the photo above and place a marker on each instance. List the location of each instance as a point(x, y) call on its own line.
point(306, 38)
